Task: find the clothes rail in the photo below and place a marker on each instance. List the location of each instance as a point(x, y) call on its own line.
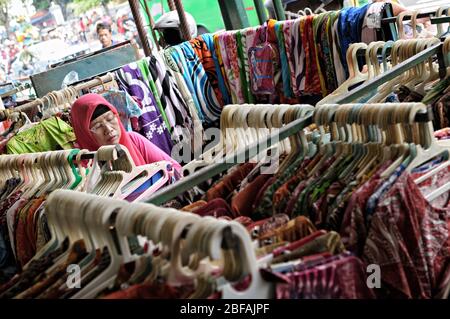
point(206, 173)
point(408, 17)
point(94, 82)
point(20, 88)
point(90, 155)
point(399, 69)
point(440, 20)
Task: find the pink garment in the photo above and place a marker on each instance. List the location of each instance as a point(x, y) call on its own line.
point(150, 152)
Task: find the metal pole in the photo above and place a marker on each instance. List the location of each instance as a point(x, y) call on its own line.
point(261, 11)
point(279, 10)
point(233, 14)
point(185, 30)
point(171, 5)
point(134, 5)
point(151, 24)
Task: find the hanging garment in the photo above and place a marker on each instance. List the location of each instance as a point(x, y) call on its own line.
point(48, 135)
point(349, 29)
point(319, 33)
point(372, 22)
point(312, 77)
point(285, 69)
point(230, 56)
point(337, 57)
point(147, 77)
point(125, 106)
point(196, 130)
point(410, 256)
point(326, 52)
point(203, 47)
point(241, 37)
point(295, 55)
point(173, 104)
point(198, 83)
point(152, 125)
point(262, 68)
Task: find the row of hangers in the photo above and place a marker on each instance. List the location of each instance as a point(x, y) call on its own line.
point(181, 237)
point(378, 132)
point(41, 173)
point(118, 176)
point(413, 16)
point(58, 101)
point(417, 78)
point(245, 124)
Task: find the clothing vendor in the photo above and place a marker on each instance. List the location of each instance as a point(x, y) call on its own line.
point(96, 123)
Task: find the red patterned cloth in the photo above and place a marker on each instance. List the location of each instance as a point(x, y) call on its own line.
point(409, 239)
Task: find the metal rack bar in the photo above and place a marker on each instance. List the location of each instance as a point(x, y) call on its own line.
point(212, 170)
point(439, 20)
point(408, 17)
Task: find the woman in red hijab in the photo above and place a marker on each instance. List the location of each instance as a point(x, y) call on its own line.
point(96, 123)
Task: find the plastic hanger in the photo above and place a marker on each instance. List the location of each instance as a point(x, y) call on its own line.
point(433, 150)
point(101, 224)
point(355, 75)
point(439, 13)
point(400, 26)
point(258, 288)
point(396, 57)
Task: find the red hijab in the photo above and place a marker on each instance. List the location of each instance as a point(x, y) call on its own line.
point(81, 114)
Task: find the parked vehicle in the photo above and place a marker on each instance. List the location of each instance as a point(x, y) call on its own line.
point(206, 13)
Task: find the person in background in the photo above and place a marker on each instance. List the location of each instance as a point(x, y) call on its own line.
point(83, 29)
point(96, 123)
point(120, 28)
point(104, 34)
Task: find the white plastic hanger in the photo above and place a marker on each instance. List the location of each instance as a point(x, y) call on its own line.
point(355, 75)
point(400, 25)
point(258, 288)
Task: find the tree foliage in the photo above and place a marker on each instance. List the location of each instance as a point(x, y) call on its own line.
point(4, 13)
point(81, 6)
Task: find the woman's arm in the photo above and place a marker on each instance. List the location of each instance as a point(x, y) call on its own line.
point(150, 152)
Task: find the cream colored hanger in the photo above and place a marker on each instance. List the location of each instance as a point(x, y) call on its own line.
point(397, 56)
point(355, 75)
point(400, 26)
point(373, 56)
point(100, 219)
point(439, 13)
point(433, 150)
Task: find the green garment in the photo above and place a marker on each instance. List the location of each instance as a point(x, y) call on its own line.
point(244, 67)
point(49, 135)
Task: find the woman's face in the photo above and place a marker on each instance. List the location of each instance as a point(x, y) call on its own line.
point(106, 129)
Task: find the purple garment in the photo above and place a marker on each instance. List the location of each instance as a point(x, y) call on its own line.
point(151, 123)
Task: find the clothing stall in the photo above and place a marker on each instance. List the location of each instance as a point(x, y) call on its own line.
point(332, 158)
